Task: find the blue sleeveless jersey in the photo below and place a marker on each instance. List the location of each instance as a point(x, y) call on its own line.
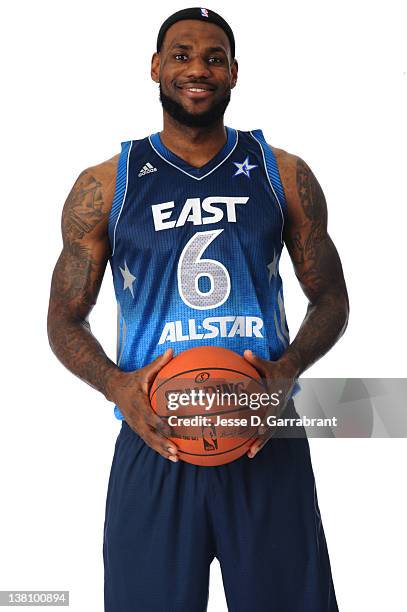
point(195, 251)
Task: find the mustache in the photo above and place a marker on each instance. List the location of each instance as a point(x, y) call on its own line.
point(204, 119)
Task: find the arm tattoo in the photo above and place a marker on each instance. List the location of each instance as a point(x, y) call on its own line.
point(84, 207)
point(76, 282)
point(78, 274)
point(319, 271)
point(74, 274)
point(304, 244)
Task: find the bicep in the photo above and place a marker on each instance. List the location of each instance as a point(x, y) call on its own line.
point(81, 265)
point(77, 278)
point(316, 261)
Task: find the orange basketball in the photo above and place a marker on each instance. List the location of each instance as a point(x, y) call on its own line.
point(204, 395)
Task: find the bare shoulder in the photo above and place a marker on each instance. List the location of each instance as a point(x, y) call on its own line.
point(303, 192)
point(287, 165)
point(87, 207)
point(105, 173)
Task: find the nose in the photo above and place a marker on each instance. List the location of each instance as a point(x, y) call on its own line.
point(197, 68)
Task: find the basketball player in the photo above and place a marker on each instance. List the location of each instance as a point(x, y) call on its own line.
point(193, 220)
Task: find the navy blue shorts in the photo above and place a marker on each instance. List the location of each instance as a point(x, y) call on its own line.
point(165, 522)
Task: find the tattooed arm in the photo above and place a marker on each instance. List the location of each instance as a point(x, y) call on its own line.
point(319, 271)
point(78, 275)
point(74, 289)
point(316, 263)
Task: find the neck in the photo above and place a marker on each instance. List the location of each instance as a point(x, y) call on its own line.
point(195, 144)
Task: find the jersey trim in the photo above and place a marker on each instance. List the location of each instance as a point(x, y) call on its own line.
point(154, 142)
point(273, 174)
point(122, 180)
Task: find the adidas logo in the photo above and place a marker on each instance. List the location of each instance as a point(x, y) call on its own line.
point(146, 169)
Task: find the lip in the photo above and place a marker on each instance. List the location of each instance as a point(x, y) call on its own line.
point(196, 95)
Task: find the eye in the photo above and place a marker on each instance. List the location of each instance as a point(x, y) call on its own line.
point(179, 55)
point(218, 60)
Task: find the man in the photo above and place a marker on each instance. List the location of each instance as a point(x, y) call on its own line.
point(180, 252)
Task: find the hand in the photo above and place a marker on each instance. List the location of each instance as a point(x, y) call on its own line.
point(281, 372)
point(129, 391)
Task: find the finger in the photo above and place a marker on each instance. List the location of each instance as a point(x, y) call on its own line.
point(261, 366)
point(257, 446)
point(155, 366)
point(148, 416)
point(151, 370)
point(161, 425)
point(258, 362)
point(153, 437)
point(265, 428)
point(161, 445)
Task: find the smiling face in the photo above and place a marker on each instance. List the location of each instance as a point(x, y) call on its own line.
point(195, 71)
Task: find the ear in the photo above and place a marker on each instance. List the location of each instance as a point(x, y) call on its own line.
point(155, 67)
point(234, 70)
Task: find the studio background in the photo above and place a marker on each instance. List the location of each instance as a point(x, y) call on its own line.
point(323, 80)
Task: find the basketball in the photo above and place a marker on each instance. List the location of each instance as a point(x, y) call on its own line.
point(203, 393)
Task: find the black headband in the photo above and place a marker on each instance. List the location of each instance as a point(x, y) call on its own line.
point(197, 13)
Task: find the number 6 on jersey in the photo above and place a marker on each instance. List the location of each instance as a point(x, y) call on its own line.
point(191, 267)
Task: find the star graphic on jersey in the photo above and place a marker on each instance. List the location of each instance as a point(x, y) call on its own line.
point(128, 279)
point(273, 267)
point(244, 167)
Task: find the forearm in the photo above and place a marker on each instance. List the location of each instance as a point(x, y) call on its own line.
point(323, 325)
point(77, 348)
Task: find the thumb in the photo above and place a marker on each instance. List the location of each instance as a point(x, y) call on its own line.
point(155, 366)
point(256, 361)
point(164, 357)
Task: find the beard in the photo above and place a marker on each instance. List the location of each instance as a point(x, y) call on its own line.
point(205, 119)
